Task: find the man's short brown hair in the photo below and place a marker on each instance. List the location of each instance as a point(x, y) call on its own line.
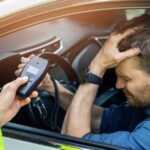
point(140, 39)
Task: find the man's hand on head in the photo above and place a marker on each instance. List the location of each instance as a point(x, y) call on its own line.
point(109, 56)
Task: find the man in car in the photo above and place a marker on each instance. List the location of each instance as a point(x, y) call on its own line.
point(127, 125)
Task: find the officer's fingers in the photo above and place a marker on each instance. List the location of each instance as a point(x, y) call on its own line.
point(14, 85)
point(24, 102)
point(28, 99)
point(34, 94)
point(5, 86)
point(129, 53)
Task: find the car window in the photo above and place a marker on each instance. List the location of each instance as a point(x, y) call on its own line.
point(132, 13)
point(82, 35)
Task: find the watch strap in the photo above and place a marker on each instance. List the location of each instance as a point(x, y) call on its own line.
point(92, 78)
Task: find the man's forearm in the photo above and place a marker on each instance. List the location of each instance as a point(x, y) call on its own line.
point(66, 98)
point(78, 118)
point(65, 95)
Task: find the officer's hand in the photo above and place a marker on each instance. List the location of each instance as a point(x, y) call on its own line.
point(9, 102)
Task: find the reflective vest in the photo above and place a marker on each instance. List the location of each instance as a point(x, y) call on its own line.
point(1, 141)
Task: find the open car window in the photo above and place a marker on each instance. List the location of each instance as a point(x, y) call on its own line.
point(73, 40)
point(132, 13)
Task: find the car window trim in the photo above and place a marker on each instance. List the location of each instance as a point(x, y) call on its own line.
point(45, 137)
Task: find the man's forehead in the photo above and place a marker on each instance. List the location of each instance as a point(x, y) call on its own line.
point(128, 65)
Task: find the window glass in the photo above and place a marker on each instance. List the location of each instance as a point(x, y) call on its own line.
point(131, 13)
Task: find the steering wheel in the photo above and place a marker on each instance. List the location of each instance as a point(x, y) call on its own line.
point(40, 111)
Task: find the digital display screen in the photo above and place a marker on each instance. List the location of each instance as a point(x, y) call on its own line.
point(31, 69)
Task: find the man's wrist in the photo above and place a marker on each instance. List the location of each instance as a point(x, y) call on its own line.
point(93, 78)
point(97, 68)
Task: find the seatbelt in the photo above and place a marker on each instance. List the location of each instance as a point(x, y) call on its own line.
point(1, 141)
point(102, 98)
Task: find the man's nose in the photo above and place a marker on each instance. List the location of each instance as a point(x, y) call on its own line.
point(120, 84)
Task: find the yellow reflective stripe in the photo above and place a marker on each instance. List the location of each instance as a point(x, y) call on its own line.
point(65, 147)
point(1, 141)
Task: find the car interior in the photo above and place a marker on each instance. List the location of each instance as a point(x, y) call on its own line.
point(69, 44)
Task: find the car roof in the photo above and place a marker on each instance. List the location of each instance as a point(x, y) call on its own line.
point(9, 7)
point(52, 9)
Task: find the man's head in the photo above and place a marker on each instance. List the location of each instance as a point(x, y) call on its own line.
point(134, 73)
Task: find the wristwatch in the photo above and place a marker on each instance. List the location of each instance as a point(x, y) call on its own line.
point(92, 78)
